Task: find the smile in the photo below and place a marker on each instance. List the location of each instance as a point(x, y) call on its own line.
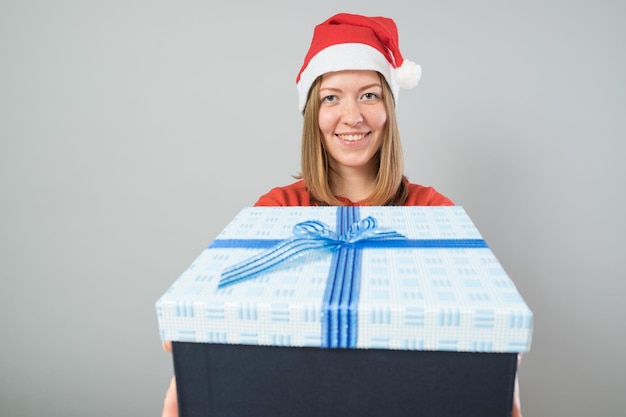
point(352, 138)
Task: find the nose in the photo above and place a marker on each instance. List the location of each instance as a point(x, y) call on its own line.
point(351, 113)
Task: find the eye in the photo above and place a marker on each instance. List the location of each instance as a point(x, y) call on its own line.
point(329, 99)
point(370, 96)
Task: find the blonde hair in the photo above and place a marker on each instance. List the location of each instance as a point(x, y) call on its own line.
point(390, 186)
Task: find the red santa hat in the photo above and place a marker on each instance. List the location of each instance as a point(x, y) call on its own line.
point(354, 42)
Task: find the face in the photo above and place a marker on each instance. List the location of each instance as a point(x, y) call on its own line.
point(351, 118)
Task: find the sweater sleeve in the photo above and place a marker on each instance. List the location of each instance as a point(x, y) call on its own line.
point(271, 199)
point(288, 196)
point(420, 195)
point(438, 199)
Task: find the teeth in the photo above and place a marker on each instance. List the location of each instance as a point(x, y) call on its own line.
point(351, 138)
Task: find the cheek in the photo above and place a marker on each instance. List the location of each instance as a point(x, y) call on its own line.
point(326, 121)
point(378, 119)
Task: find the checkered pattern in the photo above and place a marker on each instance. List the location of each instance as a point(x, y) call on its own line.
point(411, 299)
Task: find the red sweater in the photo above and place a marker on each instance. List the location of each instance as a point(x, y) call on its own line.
point(296, 195)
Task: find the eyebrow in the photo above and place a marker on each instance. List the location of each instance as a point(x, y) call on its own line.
point(365, 87)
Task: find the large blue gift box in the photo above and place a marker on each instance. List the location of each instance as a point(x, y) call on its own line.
point(315, 311)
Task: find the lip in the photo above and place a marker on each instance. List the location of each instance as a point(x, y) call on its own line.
point(353, 137)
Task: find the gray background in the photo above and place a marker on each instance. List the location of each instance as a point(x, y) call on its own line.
point(131, 132)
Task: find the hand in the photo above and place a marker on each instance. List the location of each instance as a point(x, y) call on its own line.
point(170, 404)
point(517, 407)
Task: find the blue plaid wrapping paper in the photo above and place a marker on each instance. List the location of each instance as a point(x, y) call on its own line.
point(438, 298)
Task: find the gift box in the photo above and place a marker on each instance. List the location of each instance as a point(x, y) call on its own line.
point(369, 311)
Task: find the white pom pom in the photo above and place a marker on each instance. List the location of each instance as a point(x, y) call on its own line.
point(408, 74)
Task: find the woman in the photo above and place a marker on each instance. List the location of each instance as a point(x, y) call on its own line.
point(348, 87)
point(351, 152)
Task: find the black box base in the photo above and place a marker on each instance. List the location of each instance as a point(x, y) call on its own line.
point(248, 381)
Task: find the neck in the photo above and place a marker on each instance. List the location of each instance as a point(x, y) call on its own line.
point(354, 184)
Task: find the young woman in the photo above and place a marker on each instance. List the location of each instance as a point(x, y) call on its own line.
point(348, 87)
point(351, 151)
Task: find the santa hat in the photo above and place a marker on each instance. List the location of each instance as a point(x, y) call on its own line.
point(354, 42)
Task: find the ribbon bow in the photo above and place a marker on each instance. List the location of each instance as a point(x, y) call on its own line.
point(308, 235)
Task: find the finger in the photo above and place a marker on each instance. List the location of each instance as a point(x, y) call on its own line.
point(517, 407)
point(170, 404)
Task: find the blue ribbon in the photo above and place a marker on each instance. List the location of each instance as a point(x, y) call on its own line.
point(341, 297)
point(307, 236)
point(339, 307)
